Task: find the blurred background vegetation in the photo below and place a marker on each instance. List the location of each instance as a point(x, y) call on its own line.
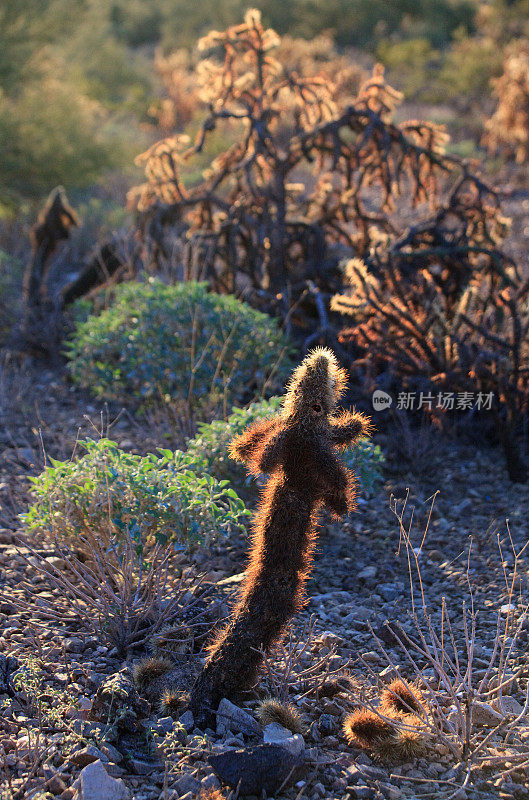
point(80, 91)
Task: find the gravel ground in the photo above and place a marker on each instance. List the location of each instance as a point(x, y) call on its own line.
point(360, 580)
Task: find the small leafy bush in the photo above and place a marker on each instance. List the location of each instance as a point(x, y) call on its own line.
point(153, 499)
point(209, 449)
point(117, 520)
point(178, 344)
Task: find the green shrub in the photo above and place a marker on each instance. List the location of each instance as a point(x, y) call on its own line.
point(209, 449)
point(123, 497)
point(179, 344)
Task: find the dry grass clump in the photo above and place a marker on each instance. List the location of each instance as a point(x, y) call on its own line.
point(284, 714)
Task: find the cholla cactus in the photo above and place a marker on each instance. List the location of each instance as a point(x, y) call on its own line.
point(508, 128)
point(298, 450)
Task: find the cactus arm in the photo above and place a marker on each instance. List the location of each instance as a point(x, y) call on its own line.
point(337, 482)
point(271, 455)
point(348, 426)
point(244, 447)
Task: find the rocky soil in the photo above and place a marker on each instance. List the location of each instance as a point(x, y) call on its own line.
point(73, 725)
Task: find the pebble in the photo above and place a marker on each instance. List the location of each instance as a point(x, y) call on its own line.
point(277, 734)
point(231, 718)
point(95, 784)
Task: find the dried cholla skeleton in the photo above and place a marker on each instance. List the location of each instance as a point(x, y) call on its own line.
point(405, 329)
point(250, 215)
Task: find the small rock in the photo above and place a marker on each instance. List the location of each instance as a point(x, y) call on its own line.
point(86, 756)
point(328, 639)
point(141, 767)
point(371, 657)
point(507, 608)
point(54, 782)
point(231, 718)
point(187, 721)
point(210, 782)
point(353, 774)
point(112, 753)
point(388, 591)
point(8, 666)
point(186, 783)
point(264, 767)
point(327, 724)
point(164, 724)
point(509, 706)
point(74, 645)
point(277, 734)
point(484, 714)
point(57, 562)
point(363, 792)
point(95, 784)
point(367, 573)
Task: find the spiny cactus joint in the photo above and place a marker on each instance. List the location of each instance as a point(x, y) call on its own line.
point(284, 714)
point(399, 697)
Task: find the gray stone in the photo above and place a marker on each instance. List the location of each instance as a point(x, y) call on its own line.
point(141, 767)
point(264, 767)
point(186, 783)
point(231, 718)
point(85, 756)
point(277, 734)
point(210, 782)
point(326, 724)
point(96, 784)
point(484, 714)
point(367, 573)
point(112, 753)
point(74, 645)
point(164, 724)
point(187, 721)
point(8, 666)
point(388, 591)
point(363, 792)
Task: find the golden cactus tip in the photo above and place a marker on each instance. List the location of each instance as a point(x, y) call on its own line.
point(398, 697)
point(284, 714)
